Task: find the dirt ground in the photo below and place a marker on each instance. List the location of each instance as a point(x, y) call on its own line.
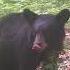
point(64, 57)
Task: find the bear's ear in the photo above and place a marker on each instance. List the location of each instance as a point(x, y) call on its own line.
point(29, 15)
point(63, 16)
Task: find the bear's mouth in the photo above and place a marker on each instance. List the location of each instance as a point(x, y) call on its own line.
point(39, 47)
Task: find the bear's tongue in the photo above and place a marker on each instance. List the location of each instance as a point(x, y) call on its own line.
point(39, 47)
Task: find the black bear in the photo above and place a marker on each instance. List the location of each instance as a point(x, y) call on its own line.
point(24, 38)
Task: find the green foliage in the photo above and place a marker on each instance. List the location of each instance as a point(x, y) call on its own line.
point(52, 6)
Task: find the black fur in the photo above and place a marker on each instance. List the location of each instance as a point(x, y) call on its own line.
point(17, 34)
